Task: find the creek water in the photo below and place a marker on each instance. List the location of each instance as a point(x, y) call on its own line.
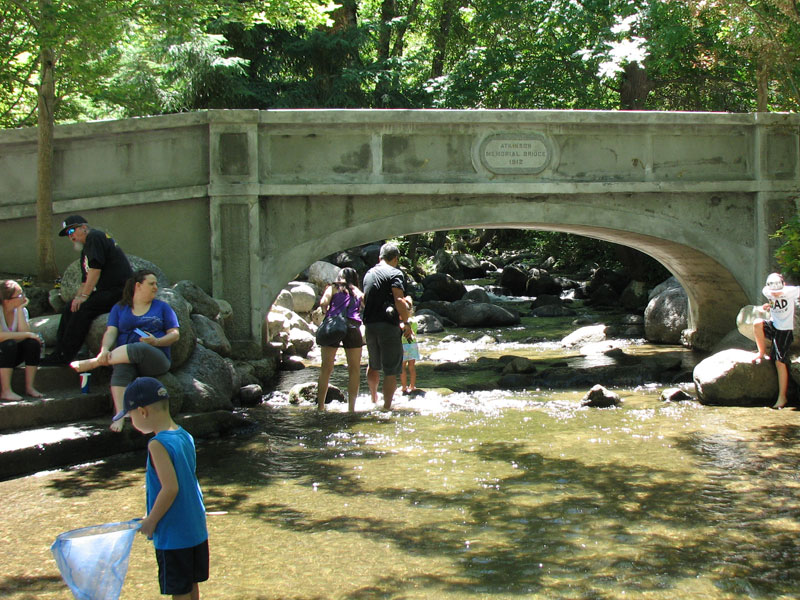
point(473, 493)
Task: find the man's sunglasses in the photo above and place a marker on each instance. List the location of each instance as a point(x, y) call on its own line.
point(70, 231)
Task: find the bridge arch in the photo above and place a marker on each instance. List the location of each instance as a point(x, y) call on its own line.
point(710, 280)
point(241, 201)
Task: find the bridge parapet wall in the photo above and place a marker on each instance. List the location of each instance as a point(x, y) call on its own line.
point(241, 201)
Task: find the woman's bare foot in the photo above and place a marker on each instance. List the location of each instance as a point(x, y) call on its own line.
point(33, 393)
point(779, 404)
point(116, 426)
point(81, 366)
point(11, 397)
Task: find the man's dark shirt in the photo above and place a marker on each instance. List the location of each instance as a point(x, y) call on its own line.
point(378, 284)
point(100, 251)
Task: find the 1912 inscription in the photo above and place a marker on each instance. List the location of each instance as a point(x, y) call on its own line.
point(515, 153)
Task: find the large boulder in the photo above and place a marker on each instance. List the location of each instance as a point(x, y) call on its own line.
point(441, 286)
point(94, 338)
point(304, 296)
point(352, 259)
point(211, 335)
point(541, 282)
point(600, 397)
point(322, 273)
point(519, 365)
point(47, 327)
point(634, 296)
point(175, 391)
point(585, 335)
point(601, 276)
point(730, 378)
point(184, 347)
point(477, 295)
point(288, 329)
point(71, 279)
point(38, 300)
point(208, 381)
point(427, 322)
point(202, 303)
point(515, 279)
point(284, 300)
point(300, 342)
point(480, 314)
point(665, 317)
point(665, 285)
point(458, 265)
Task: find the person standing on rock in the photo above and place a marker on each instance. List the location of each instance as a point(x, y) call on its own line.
point(386, 316)
point(779, 330)
point(104, 271)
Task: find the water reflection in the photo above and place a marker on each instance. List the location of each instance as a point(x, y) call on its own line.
point(462, 492)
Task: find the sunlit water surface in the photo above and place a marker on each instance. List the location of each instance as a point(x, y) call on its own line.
point(459, 495)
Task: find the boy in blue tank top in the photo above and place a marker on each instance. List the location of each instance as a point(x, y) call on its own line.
point(176, 515)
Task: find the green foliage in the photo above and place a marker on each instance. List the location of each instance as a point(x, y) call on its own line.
point(788, 253)
point(691, 65)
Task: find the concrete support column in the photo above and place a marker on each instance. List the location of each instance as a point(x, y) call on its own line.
point(235, 223)
point(776, 156)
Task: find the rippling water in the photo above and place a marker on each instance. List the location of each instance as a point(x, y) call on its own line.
point(483, 494)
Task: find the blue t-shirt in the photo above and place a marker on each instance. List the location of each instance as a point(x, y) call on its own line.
point(184, 524)
point(156, 321)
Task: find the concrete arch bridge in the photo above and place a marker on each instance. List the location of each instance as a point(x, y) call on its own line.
point(241, 201)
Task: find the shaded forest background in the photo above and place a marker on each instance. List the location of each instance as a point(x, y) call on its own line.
point(77, 60)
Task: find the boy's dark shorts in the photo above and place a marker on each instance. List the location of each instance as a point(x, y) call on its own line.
point(781, 341)
point(179, 570)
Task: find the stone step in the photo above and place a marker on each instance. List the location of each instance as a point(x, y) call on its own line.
point(50, 379)
point(55, 408)
point(32, 450)
point(62, 402)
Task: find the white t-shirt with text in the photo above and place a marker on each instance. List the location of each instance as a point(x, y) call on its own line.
point(782, 304)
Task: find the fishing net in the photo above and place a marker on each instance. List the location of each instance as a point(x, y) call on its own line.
point(94, 560)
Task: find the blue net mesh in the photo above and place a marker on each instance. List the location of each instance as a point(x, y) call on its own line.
point(94, 560)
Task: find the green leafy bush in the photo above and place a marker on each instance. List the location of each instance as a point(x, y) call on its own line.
point(788, 253)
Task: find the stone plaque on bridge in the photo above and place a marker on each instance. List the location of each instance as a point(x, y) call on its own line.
point(522, 154)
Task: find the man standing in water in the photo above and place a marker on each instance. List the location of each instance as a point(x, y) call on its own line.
point(104, 271)
point(385, 319)
point(779, 329)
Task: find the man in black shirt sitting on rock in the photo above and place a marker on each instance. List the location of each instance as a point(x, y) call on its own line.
point(104, 271)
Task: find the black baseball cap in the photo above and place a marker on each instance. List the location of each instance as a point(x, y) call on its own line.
point(144, 391)
point(69, 222)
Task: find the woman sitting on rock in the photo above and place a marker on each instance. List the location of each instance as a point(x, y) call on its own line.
point(140, 330)
point(17, 342)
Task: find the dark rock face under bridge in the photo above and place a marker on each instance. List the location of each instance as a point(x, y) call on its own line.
point(241, 201)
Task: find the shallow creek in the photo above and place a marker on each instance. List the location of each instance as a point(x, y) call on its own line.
point(467, 494)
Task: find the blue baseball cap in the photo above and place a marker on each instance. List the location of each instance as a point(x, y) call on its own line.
point(142, 392)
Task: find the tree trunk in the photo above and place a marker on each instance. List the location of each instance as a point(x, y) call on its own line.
point(399, 40)
point(439, 240)
point(635, 88)
point(46, 266)
point(762, 85)
point(413, 244)
point(383, 87)
point(441, 37)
